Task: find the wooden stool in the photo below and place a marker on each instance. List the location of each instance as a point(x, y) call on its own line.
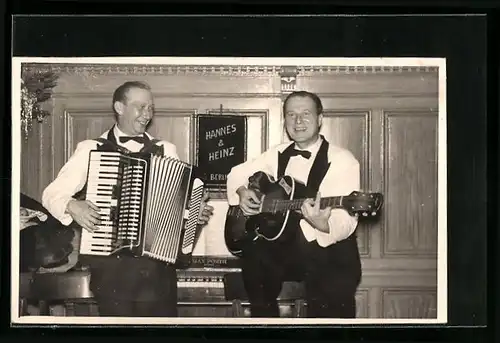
point(69, 288)
point(291, 294)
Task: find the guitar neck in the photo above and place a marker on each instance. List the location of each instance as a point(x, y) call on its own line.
point(296, 204)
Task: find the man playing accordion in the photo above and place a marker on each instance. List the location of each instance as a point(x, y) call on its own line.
point(122, 284)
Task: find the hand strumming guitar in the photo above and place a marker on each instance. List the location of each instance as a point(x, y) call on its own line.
point(85, 213)
point(249, 202)
point(316, 216)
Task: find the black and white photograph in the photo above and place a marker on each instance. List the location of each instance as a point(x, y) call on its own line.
point(229, 190)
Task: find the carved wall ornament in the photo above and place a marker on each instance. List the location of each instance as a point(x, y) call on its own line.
point(288, 79)
point(93, 70)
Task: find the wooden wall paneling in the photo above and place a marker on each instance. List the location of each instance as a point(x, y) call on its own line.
point(30, 162)
point(408, 303)
point(59, 143)
point(410, 166)
point(78, 83)
point(373, 302)
point(176, 126)
point(351, 130)
point(362, 303)
point(360, 85)
point(376, 179)
point(83, 124)
point(409, 277)
point(36, 157)
point(45, 171)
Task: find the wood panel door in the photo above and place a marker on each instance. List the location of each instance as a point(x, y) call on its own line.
point(397, 151)
point(176, 124)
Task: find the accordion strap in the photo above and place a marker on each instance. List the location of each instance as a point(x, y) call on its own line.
point(107, 144)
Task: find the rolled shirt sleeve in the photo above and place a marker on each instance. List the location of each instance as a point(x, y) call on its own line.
point(169, 150)
point(70, 180)
point(238, 176)
point(342, 179)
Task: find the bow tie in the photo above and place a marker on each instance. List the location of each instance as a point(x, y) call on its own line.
point(138, 139)
point(304, 153)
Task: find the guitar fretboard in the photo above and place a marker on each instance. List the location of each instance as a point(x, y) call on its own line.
point(295, 204)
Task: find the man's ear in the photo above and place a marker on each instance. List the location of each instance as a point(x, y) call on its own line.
point(320, 119)
point(118, 106)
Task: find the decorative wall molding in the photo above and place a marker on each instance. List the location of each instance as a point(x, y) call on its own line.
point(413, 249)
point(288, 79)
point(409, 303)
point(89, 70)
point(337, 96)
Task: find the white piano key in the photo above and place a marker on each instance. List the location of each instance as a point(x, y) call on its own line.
point(96, 183)
point(100, 169)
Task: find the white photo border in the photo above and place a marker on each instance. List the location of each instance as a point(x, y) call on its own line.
point(442, 263)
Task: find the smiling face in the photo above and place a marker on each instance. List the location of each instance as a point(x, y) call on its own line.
point(302, 121)
point(135, 112)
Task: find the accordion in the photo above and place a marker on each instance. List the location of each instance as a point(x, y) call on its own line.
point(149, 205)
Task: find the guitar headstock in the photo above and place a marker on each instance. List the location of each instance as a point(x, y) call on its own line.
point(363, 204)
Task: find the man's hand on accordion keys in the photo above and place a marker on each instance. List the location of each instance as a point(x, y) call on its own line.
point(85, 213)
point(206, 211)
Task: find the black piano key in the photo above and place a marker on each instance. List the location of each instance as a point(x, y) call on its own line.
point(113, 214)
point(115, 192)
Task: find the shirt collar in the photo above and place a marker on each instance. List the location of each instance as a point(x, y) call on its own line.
point(119, 133)
point(314, 148)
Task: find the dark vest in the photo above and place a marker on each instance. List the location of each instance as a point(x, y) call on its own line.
point(110, 144)
point(318, 170)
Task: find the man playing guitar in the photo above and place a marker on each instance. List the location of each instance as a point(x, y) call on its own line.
point(323, 250)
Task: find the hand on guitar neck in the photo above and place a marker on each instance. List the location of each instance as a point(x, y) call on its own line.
point(315, 215)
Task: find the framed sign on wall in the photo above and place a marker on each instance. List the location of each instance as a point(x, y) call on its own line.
point(220, 145)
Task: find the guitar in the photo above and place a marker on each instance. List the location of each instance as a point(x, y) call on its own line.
point(281, 201)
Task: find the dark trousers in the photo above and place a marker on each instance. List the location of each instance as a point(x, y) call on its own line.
point(126, 286)
point(331, 276)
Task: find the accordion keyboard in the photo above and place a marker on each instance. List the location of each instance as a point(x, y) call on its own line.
point(101, 190)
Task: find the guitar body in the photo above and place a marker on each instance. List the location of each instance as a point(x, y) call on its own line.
point(272, 226)
point(279, 215)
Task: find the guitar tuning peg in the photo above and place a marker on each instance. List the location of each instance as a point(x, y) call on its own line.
point(365, 214)
point(374, 214)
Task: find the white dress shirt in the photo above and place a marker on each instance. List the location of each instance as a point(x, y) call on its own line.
point(341, 179)
point(73, 175)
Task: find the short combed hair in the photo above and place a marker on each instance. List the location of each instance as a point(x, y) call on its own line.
point(120, 94)
point(304, 94)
